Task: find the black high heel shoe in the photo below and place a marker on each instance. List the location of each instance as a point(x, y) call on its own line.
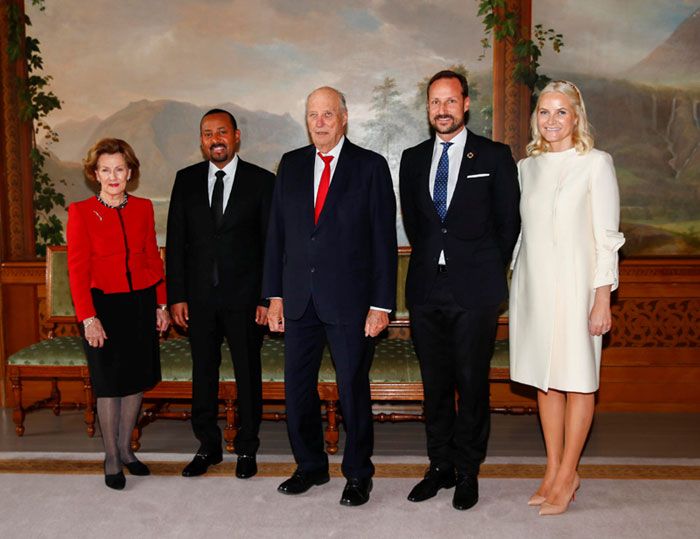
point(117, 481)
point(137, 468)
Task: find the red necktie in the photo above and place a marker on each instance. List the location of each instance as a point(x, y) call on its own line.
point(323, 186)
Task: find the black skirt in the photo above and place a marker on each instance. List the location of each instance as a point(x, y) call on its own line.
point(129, 362)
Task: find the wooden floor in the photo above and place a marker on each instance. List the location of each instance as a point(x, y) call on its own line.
point(614, 435)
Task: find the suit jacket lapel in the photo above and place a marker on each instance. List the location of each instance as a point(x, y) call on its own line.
point(306, 176)
point(425, 197)
point(236, 189)
point(202, 194)
point(469, 157)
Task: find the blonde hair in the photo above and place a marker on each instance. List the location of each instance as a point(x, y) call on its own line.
point(583, 140)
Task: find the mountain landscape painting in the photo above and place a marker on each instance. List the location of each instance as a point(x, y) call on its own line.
point(171, 60)
point(639, 73)
point(147, 71)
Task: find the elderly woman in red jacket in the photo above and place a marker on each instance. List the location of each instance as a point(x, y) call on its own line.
point(118, 289)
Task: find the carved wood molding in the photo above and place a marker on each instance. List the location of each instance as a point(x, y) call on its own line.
point(651, 323)
point(511, 99)
point(689, 272)
point(23, 273)
point(16, 185)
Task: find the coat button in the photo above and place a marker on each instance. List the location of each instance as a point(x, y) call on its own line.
point(313, 270)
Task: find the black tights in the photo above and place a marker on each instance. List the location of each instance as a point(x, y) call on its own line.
point(118, 417)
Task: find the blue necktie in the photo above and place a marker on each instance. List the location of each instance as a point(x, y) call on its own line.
point(440, 188)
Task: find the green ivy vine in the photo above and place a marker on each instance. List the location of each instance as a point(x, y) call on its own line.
point(503, 24)
point(36, 102)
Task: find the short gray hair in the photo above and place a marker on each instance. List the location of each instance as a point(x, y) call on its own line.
point(338, 93)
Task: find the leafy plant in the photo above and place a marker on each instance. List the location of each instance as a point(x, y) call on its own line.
point(36, 102)
point(504, 25)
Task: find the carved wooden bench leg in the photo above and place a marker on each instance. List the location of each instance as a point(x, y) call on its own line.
point(136, 432)
point(332, 434)
point(55, 397)
point(18, 412)
point(231, 428)
point(89, 406)
point(147, 416)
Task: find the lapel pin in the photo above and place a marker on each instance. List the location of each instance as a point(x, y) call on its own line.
point(98, 215)
point(470, 155)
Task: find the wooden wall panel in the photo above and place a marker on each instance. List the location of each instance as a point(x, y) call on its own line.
point(651, 361)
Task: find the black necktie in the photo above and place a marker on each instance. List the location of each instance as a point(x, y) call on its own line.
point(217, 198)
point(217, 211)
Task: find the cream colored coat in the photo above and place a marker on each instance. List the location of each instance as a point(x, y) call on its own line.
point(568, 247)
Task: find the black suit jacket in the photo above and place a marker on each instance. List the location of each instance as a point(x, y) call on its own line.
point(194, 242)
point(347, 262)
point(480, 228)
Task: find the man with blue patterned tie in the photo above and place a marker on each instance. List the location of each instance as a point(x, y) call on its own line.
point(459, 199)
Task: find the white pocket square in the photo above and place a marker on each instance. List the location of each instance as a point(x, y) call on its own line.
point(484, 175)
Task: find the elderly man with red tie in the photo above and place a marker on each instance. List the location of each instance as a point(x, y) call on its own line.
point(330, 274)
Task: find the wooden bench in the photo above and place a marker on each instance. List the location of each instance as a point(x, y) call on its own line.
point(394, 378)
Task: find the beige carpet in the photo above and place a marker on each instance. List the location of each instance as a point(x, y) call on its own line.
point(57, 465)
point(50, 496)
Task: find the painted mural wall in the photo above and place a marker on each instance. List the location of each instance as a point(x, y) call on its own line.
point(637, 63)
point(146, 71)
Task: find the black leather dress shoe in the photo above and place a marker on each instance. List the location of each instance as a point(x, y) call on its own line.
point(356, 492)
point(137, 468)
point(246, 466)
point(116, 481)
point(301, 482)
point(200, 463)
point(435, 478)
point(467, 492)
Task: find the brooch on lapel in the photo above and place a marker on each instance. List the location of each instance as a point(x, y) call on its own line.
point(470, 155)
point(98, 215)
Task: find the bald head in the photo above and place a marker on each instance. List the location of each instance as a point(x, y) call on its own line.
point(326, 117)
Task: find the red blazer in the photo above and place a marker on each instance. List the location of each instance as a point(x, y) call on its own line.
point(97, 255)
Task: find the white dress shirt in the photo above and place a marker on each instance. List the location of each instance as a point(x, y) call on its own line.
point(454, 154)
point(230, 171)
point(319, 165)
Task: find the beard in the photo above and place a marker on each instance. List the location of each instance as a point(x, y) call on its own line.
point(456, 125)
point(218, 157)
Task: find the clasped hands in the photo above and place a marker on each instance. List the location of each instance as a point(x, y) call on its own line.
point(375, 322)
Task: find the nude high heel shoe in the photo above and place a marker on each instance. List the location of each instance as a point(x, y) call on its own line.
point(536, 499)
point(547, 509)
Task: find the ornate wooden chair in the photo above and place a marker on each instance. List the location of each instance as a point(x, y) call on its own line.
point(56, 358)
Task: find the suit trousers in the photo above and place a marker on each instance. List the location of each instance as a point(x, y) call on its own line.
point(454, 347)
point(352, 354)
point(209, 324)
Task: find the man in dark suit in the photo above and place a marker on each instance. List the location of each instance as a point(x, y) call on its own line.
point(217, 224)
point(459, 199)
point(330, 274)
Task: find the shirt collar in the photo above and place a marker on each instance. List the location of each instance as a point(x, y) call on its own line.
point(229, 170)
point(335, 152)
point(458, 141)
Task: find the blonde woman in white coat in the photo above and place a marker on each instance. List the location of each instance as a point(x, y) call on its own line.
point(565, 267)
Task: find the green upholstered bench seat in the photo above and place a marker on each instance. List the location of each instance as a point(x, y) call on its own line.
point(394, 359)
point(59, 351)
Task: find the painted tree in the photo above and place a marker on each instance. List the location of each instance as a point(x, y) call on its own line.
point(392, 127)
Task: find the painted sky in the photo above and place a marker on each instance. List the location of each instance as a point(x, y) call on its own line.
point(261, 54)
point(606, 37)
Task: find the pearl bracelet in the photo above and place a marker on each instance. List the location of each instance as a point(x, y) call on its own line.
point(163, 307)
point(88, 322)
